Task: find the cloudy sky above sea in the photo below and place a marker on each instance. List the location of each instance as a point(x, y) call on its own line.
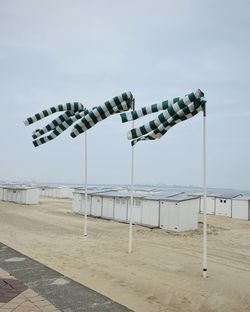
point(52, 52)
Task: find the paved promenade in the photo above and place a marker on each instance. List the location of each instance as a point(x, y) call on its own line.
point(16, 297)
point(29, 286)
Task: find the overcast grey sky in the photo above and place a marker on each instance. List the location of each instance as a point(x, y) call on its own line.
point(58, 51)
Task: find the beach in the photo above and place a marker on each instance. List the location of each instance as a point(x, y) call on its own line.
point(164, 271)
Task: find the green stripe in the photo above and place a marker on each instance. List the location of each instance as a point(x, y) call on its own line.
point(123, 117)
point(61, 117)
point(133, 133)
point(134, 115)
point(78, 128)
point(154, 108)
point(191, 97)
point(143, 130)
point(118, 103)
point(165, 104)
point(93, 117)
point(109, 107)
point(38, 116)
point(198, 103)
point(45, 113)
point(85, 122)
point(54, 132)
point(62, 127)
point(86, 112)
point(152, 125)
point(176, 117)
point(125, 96)
point(186, 110)
point(171, 111)
point(161, 118)
point(53, 110)
point(101, 112)
point(181, 104)
point(202, 93)
point(55, 123)
point(144, 110)
point(30, 120)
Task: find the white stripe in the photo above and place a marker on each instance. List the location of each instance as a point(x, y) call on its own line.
point(170, 119)
point(180, 113)
point(129, 94)
point(176, 107)
point(186, 100)
point(189, 116)
point(97, 115)
point(53, 135)
point(112, 103)
point(120, 98)
point(191, 106)
point(160, 106)
point(170, 103)
point(59, 130)
point(166, 114)
point(139, 113)
point(82, 126)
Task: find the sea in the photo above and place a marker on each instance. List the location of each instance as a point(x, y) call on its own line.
point(190, 189)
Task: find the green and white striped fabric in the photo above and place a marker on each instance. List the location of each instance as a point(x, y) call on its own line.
point(56, 126)
point(117, 104)
point(73, 112)
point(174, 111)
point(73, 107)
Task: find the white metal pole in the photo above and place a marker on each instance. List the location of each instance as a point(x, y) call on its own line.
point(86, 190)
point(205, 197)
point(131, 206)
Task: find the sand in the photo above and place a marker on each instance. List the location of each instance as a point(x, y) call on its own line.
point(162, 274)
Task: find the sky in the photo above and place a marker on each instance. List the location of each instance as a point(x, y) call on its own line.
point(53, 52)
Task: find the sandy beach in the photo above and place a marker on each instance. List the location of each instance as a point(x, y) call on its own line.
point(162, 274)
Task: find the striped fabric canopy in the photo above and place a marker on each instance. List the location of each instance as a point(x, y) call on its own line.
point(76, 111)
point(174, 111)
point(118, 104)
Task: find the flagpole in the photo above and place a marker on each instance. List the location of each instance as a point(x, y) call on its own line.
point(131, 206)
point(204, 197)
point(85, 234)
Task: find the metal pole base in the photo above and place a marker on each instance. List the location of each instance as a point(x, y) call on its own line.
point(204, 273)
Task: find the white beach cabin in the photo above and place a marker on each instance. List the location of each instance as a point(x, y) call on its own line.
point(179, 213)
point(57, 191)
point(241, 207)
point(223, 204)
point(20, 194)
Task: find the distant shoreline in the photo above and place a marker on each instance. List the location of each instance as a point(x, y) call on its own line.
point(187, 188)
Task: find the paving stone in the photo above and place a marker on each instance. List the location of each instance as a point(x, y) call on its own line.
point(66, 297)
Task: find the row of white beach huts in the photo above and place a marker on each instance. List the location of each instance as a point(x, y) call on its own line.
point(171, 210)
point(29, 195)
